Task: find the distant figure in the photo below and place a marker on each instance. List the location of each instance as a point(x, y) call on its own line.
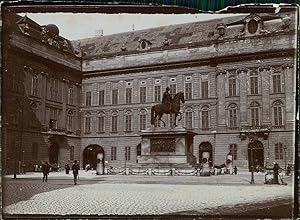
point(288, 169)
point(45, 170)
point(235, 170)
point(276, 173)
point(75, 169)
point(67, 167)
point(87, 167)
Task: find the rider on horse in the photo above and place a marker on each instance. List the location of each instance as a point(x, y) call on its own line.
point(167, 99)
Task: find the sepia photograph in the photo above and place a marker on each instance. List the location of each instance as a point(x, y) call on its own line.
point(144, 115)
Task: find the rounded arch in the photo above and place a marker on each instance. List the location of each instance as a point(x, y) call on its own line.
point(90, 155)
point(205, 152)
point(255, 154)
point(232, 105)
point(277, 103)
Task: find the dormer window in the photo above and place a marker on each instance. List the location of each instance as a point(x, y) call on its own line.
point(144, 44)
point(252, 26)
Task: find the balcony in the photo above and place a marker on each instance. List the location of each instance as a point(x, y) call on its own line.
point(255, 131)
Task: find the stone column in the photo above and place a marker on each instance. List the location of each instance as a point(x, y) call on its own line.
point(265, 73)
point(243, 91)
point(290, 93)
point(221, 98)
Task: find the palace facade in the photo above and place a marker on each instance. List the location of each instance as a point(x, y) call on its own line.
point(94, 95)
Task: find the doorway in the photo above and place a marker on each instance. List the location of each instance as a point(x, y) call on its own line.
point(90, 155)
point(255, 154)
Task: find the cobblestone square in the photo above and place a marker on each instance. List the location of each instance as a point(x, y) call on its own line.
point(140, 195)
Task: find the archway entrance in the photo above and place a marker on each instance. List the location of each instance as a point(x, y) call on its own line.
point(255, 154)
point(53, 153)
point(90, 155)
point(205, 151)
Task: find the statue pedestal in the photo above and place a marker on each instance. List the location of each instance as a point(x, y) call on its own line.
point(167, 147)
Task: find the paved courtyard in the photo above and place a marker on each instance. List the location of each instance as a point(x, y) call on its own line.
point(139, 195)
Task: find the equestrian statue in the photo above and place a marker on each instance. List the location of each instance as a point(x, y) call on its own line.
point(168, 106)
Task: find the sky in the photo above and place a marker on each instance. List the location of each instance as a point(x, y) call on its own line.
point(75, 26)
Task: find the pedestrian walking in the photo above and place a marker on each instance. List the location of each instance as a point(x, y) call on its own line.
point(235, 170)
point(45, 169)
point(67, 167)
point(75, 169)
point(276, 173)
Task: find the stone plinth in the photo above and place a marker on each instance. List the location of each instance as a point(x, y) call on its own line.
point(167, 146)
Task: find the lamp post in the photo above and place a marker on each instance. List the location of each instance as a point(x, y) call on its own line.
point(251, 167)
point(285, 148)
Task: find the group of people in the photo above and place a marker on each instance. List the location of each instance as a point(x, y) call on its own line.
point(46, 169)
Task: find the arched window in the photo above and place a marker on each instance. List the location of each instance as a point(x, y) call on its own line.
point(128, 121)
point(205, 118)
point(114, 122)
point(254, 114)
point(101, 117)
point(189, 118)
point(278, 113)
point(232, 116)
point(87, 127)
point(143, 121)
point(70, 120)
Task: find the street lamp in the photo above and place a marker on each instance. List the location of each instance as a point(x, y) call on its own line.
point(251, 167)
point(285, 148)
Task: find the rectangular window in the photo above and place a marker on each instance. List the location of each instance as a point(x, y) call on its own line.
point(188, 91)
point(278, 151)
point(113, 155)
point(233, 151)
point(127, 153)
point(114, 123)
point(114, 96)
point(34, 152)
point(254, 85)
point(254, 117)
point(101, 97)
point(72, 153)
point(54, 117)
point(276, 84)
point(189, 120)
point(204, 117)
point(128, 95)
point(142, 94)
point(128, 123)
point(232, 87)
point(232, 118)
point(173, 90)
point(278, 115)
point(34, 86)
point(157, 93)
point(70, 122)
point(87, 125)
point(101, 124)
point(88, 98)
point(71, 96)
point(204, 89)
point(54, 89)
point(142, 122)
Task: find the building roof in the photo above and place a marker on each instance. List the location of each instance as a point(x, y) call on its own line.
point(175, 35)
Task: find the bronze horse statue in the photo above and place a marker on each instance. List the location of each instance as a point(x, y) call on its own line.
point(160, 109)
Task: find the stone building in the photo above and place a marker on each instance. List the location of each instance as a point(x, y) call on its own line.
point(237, 75)
point(41, 95)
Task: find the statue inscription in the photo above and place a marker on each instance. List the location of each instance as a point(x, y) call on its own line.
point(162, 145)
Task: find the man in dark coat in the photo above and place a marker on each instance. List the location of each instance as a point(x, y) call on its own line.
point(45, 170)
point(276, 173)
point(167, 99)
point(75, 169)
